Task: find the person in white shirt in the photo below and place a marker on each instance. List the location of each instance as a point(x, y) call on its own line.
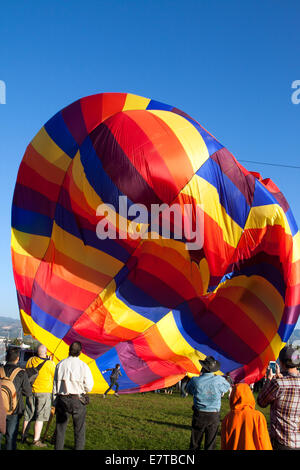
point(72, 381)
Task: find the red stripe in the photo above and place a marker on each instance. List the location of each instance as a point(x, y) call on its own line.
point(240, 324)
point(62, 290)
point(30, 178)
point(97, 108)
point(23, 284)
point(158, 366)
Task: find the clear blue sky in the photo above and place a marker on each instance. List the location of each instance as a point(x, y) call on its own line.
point(229, 64)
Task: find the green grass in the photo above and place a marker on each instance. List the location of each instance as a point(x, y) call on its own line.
point(153, 421)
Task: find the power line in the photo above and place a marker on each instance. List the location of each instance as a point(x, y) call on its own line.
point(271, 164)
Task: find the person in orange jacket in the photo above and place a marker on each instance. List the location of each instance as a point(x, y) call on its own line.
point(244, 427)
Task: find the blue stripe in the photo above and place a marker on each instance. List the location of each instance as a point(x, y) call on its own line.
point(158, 105)
point(230, 196)
point(60, 134)
point(67, 221)
point(292, 222)
point(108, 361)
point(31, 222)
point(98, 178)
point(285, 331)
point(211, 143)
point(47, 322)
point(267, 271)
point(198, 339)
point(140, 302)
point(262, 197)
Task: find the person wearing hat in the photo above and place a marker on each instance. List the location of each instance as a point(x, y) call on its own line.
point(282, 393)
point(207, 390)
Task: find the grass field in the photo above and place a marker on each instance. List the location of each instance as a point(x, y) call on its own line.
point(152, 421)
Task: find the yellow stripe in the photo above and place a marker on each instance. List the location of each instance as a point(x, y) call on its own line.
point(29, 245)
point(74, 248)
point(206, 195)
point(121, 313)
point(263, 216)
point(175, 341)
point(135, 102)
point(93, 200)
point(60, 349)
point(46, 147)
point(100, 384)
point(264, 291)
point(79, 177)
point(275, 347)
point(43, 336)
point(188, 136)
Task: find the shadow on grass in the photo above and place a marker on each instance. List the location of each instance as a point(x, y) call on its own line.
point(174, 425)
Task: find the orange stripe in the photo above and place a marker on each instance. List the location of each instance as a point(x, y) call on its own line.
point(97, 281)
point(43, 167)
point(161, 350)
point(167, 146)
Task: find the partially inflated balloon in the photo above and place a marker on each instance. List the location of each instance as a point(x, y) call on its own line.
point(95, 260)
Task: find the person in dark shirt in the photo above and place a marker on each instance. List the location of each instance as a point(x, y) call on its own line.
point(113, 379)
point(23, 388)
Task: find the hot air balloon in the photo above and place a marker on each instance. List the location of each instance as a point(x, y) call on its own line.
point(137, 233)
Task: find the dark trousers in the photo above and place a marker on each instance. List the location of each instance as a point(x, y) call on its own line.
point(67, 406)
point(12, 427)
point(204, 424)
point(112, 383)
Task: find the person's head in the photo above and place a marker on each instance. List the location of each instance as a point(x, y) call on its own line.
point(209, 364)
point(13, 355)
point(241, 396)
point(75, 349)
point(118, 366)
point(289, 357)
point(42, 351)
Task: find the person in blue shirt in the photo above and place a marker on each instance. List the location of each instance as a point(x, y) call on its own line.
point(207, 390)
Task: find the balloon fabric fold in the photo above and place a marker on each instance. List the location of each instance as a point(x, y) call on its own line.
point(136, 232)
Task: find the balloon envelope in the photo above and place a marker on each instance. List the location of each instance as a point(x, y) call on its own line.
point(139, 234)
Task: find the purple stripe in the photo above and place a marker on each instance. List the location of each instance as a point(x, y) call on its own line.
point(136, 368)
point(31, 200)
point(119, 168)
point(24, 303)
point(281, 201)
point(227, 163)
point(73, 118)
point(91, 348)
point(290, 315)
point(64, 313)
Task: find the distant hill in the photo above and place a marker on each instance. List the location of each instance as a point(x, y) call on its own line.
point(10, 327)
point(295, 336)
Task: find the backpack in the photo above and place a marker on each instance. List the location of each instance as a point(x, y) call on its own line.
point(8, 390)
point(33, 372)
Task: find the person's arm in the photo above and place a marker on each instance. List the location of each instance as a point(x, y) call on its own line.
point(224, 385)
point(268, 393)
point(55, 385)
point(88, 382)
